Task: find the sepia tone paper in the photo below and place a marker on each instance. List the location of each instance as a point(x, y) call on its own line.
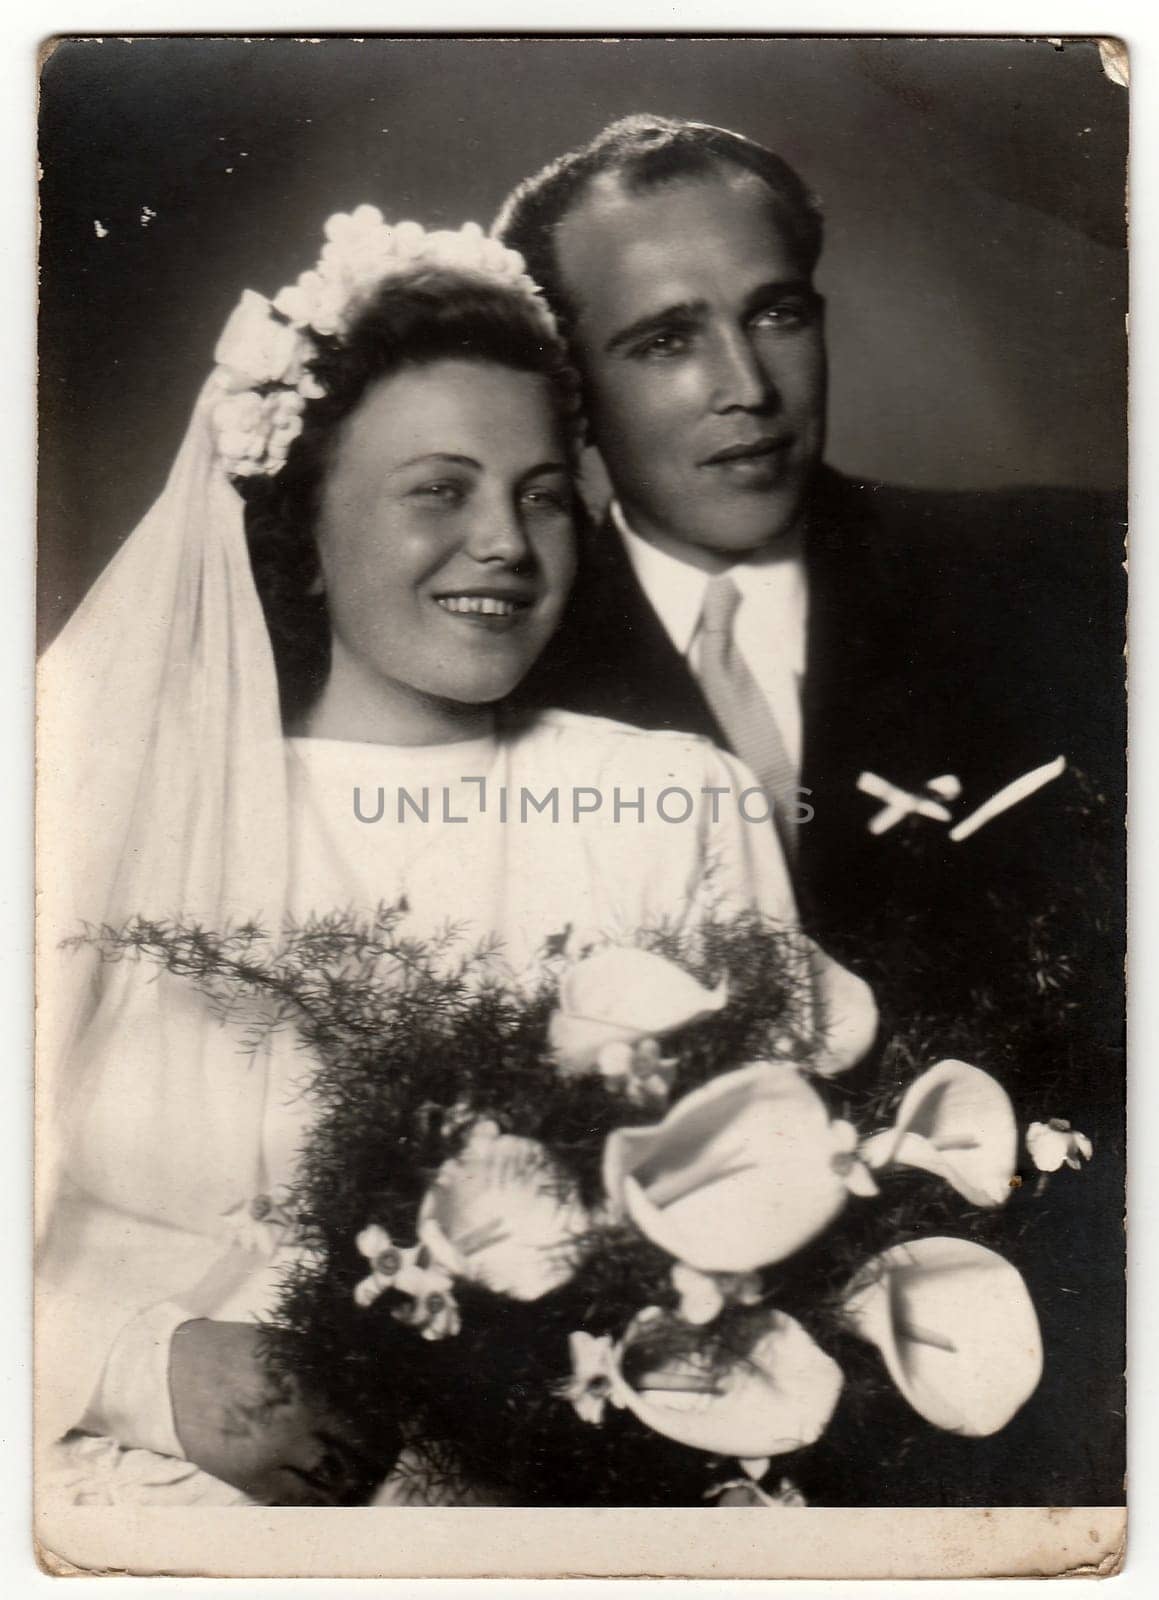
point(1009, 1542)
point(973, 261)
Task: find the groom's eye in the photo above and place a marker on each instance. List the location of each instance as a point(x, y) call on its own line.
point(663, 343)
point(550, 498)
point(798, 310)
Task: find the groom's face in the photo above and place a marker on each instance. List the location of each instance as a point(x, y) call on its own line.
point(702, 344)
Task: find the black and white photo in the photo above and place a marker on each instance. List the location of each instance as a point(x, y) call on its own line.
point(581, 784)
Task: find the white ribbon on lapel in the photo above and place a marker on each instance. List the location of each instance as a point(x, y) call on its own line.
point(898, 803)
point(956, 1328)
point(1012, 795)
point(956, 1122)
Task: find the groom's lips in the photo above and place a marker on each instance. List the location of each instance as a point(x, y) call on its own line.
point(749, 450)
point(751, 465)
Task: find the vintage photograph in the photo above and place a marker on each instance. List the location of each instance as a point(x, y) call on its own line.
point(581, 790)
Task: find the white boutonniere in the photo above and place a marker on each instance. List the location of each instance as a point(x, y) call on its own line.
point(931, 802)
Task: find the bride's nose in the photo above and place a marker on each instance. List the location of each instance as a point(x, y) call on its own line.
point(496, 531)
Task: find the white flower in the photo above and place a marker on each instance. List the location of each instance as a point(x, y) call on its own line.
point(703, 1295)
point(594, 1380)
point(362, 251)
point(773, 1397)
point(256, 348)
point(254, 432)
point(846, 1013)
point(503, 1215)
point(956, 1122)
point(313, 302)
point(747, 1491)
point(639, 1070)
point(1056, 1144)
point(430, 1287)
point(622, 996)
point(741, 1173)
point(267, 343)
point(956, 1329)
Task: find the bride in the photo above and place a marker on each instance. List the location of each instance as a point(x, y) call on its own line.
point(292, 692)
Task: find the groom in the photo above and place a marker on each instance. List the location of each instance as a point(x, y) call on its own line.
point(927, 685)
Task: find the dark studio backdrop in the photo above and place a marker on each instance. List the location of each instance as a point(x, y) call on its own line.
point(975, 264)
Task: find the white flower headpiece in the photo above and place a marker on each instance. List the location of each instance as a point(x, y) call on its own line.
point(264, 352)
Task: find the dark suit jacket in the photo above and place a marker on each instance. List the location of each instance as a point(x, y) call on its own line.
point(973, 634)
point(980, 635)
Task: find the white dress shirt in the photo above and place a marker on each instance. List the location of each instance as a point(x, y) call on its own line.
point(770, 625)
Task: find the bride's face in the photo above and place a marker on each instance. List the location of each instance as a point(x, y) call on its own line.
point(445, 539)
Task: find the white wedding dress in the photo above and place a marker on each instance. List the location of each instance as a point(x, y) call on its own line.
point(167, 789)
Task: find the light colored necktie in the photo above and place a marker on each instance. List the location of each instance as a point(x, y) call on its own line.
point(739, 706)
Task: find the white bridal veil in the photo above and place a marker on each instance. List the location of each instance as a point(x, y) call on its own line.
point(161, 779)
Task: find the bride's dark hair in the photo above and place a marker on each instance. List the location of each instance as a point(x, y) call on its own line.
point(432, 315)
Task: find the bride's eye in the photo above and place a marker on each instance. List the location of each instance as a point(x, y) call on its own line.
point(444, 493)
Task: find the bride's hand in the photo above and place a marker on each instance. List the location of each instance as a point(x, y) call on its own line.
point(252, 1428)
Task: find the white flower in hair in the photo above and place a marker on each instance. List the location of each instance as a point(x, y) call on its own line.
point(256, 348)
point(362, 251)
point(264, 352)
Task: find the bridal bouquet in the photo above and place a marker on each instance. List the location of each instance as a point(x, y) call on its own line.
point(627, 1239)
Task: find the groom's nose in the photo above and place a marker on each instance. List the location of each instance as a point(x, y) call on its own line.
point(741, 380)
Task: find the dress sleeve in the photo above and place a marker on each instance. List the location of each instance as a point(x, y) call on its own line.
point(744, 864)
point(133, 1403)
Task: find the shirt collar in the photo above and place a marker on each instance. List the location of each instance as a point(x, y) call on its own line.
point(674, 588)
point(773, 582)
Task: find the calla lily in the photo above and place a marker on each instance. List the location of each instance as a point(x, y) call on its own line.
point(624, 995)
point(503, 1215)
point(741, 1172)
point(778, 1396)
point(846, 1014)
point(956, 1122)
point(1056, 1144)
point(956, 1329)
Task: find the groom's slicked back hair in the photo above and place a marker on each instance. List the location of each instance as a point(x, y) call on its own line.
point(644, 152)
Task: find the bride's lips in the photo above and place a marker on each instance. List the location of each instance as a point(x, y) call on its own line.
point(494, 609)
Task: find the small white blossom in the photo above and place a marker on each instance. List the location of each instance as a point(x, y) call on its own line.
point(592, 1384)
point(411, 1272)
point(1056, 1144)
